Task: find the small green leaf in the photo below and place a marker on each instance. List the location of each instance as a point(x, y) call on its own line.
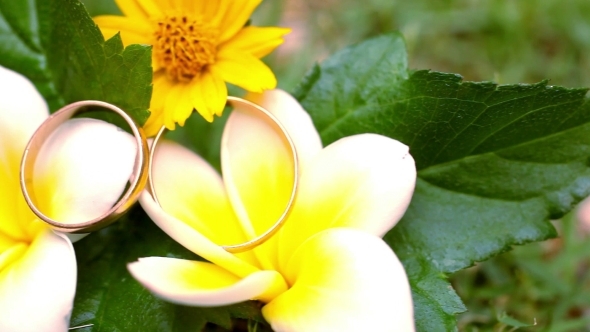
point(495, 162)
point(60, 49)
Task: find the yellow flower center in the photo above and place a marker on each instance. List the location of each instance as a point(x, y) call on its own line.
point(184, 46)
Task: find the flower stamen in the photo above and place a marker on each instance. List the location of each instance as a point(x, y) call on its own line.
point(184, 46)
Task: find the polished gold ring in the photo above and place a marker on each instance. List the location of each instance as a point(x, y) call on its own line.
point(137, 180)
point(260, 239)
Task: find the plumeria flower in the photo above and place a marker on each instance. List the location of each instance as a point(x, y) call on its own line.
point(327, 269)
point(198, 45)
point(37, 265)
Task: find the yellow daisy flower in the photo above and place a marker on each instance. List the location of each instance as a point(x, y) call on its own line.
point(198, 45)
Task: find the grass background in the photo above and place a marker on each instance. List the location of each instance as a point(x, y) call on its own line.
point(507, 41)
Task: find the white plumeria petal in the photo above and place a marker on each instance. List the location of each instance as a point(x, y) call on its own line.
point(294, 118)
point(82, 170)
point(363, 181)
point(37, 291)
point(22, 110)
point(343, 280)
point(203, 284)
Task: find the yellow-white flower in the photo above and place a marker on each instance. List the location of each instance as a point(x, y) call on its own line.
point(327, 269)
point(81, 170)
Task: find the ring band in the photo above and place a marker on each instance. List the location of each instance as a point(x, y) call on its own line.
point(137, 181)
point(260, 239)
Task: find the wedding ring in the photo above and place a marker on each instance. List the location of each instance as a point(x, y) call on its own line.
point(137, 180)
point(260, 239)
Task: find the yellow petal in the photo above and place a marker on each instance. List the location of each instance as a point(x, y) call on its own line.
point(37, 291)
point(210, 10)
point(343, 280)
point(185, 6)
point(155, 66)
point(362, 181)
point(256, 41)
point(203, 284)
point(22, 110)
point(193, 240)
point(177, 107)
point(128, 38)
point(233, 15)
point(82, 169)
point(132, 9)
point(244, 70)
point(208, 94)
point(133, 31)
point(151, 8)
point(258, 171)
point(184, 106)
point(153, 123)
point(173, 102)
point(161, 88)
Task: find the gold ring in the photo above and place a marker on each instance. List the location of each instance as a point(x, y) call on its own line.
point(260, 239)
point(137, 181)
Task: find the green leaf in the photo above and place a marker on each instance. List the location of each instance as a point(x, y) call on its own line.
point(494, 162)
point(110, 299)
point(59, 48)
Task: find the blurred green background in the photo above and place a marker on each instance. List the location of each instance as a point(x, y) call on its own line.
point(507, 41)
